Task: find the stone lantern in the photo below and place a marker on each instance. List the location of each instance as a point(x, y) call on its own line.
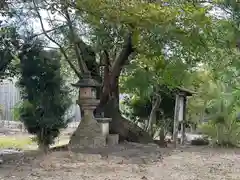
point(88, 133)
point(87, 93)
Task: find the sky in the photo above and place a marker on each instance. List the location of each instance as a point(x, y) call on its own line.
point(35, 23)
point(37, 26)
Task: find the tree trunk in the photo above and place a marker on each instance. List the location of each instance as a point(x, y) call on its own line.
point(126, 129)
point(152, 118)
point(162, 136)
point(176, 123)
point(183, 133)
point(43, 148)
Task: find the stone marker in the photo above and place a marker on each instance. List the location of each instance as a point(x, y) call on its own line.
point(104, 123)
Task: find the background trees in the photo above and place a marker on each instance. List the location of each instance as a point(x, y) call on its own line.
point(9, 40)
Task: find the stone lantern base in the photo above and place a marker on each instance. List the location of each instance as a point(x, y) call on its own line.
point(87, 135)
point(89, 132)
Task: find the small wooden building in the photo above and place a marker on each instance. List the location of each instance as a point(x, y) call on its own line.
point(180, 112)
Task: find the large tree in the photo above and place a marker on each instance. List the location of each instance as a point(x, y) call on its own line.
point(115, 32)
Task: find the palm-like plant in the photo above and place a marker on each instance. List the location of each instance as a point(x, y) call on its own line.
point(223, 127)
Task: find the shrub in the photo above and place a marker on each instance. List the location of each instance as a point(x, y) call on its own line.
point(45, 98)
point(223, 133)
point(16, 111)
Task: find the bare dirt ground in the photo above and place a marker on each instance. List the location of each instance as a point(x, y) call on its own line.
point(128, 161)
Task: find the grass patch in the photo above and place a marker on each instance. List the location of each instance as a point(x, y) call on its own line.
point(26, 142)
point(22, 143)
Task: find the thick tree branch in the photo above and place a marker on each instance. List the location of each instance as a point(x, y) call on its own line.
point(106, 78)
point(122, 58)
point(114, 74)
point(55, 42)
point(106, 88)
point(48, 31)
point(152, 118)
point(73, 39)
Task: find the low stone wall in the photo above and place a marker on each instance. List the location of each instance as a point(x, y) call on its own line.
point(18, 125)
point(10, 124)
point(8, 154)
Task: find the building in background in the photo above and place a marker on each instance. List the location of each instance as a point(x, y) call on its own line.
point(10, 96)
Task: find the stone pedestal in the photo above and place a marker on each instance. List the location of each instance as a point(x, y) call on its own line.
point(87, 135)
point(112, 139)
point(104, 123)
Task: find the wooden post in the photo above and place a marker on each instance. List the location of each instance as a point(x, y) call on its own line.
point(180, 114)
point(183, 109)
point(182, 132)
point(175, 126)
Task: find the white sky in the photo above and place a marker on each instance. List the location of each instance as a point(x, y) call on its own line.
point(45, 15)
point(217, 12)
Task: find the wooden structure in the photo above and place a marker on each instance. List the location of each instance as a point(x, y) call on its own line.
point(180, 113)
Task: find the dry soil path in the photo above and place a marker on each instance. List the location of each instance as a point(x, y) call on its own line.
point(129, 161)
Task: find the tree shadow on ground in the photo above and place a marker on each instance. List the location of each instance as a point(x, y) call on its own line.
point(124, 153)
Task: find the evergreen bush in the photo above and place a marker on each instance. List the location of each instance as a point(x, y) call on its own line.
point(45, 97)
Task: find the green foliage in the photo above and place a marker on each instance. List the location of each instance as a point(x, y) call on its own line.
point(180, 31)
point(9, 43)
point(141, 108)
point(144, 74)
point(138, 109)
point(224, 133)
point(223, 126)
point(16, 111)
point(45, 98)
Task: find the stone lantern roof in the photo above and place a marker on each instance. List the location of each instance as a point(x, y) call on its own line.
point(87, 81)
